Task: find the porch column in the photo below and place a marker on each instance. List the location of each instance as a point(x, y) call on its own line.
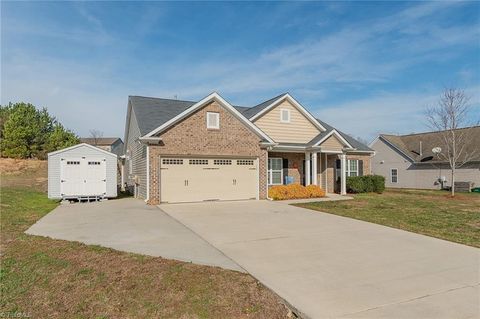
point(122, 175)
point(314, 168)
point(343, 181)
point(307, 168)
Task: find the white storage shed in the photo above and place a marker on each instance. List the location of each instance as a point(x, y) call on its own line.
point(82, 171)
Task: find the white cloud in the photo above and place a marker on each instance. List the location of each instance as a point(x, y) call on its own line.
point(318, 68)
point(398, 113)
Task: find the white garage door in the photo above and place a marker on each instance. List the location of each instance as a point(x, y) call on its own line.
point(83, 177)
point(200, 179)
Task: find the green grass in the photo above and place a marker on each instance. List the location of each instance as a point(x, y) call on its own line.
point(431, 213)
point(46, 278)
point(20, 208)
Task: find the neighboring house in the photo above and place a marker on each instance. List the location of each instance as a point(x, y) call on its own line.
point(407, 161)
point(110, 144)
point(181, 151)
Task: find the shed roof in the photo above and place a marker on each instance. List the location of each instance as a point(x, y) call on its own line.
point(80, 145)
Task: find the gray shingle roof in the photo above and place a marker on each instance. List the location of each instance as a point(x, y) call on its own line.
point(102, 141)
point(153, 112)
point(257, 108)
point(410, 144)
point(355, 144)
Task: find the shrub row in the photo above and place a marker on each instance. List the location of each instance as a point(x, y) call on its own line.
point(295, 191)
point(366, 184)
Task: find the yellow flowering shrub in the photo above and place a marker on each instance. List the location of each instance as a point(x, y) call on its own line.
point(294, 191)
point(315, 191)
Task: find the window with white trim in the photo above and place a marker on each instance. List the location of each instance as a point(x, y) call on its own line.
point(352, 168)
point(213, 120)
point(285, 116)
point(394, 175)
point(275, 171)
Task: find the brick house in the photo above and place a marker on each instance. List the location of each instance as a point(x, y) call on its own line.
point(182, 151)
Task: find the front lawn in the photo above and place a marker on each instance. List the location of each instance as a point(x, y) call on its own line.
point(46, 278)
point(431, 213)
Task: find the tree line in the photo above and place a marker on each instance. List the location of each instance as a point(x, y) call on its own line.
point(29, 132)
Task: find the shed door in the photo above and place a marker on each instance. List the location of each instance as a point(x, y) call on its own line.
point(201, 179)
point(83, 176)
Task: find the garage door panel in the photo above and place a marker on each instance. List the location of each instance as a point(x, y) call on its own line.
point(201, 179)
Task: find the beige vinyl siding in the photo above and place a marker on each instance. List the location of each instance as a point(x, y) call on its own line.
point(332, 144)
point(299, 130)
point(137, 154)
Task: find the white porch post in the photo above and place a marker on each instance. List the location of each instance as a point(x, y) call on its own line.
point(314, 168)
point(307, 168)
point(343, 181)
point(122, 175)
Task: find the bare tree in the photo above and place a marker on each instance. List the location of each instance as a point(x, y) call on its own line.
point(96, 135)
point(450, 117)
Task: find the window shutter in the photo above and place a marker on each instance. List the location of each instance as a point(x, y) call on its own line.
point(285, 163)
point(338, 163)
point(360, 167)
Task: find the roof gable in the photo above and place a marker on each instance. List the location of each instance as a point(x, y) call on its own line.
point(333, 133)
point(266, 106)
point(418, 147)
point(297, 129)
point(356, 145)
point(82, 145)
point(192, 108)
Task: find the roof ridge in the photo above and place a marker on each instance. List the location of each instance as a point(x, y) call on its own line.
point(428, 132)
point(271, 99)
point(161, 98)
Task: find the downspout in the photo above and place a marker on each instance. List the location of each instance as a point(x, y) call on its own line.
point(148, 174)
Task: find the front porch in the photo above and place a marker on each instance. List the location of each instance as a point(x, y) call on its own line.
point(325, 169)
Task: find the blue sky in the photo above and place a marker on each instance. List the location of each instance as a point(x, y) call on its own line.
point(363, 67)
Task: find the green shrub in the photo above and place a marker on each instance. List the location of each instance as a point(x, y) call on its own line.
point(366, 184)
point(378, 183)
point(355, 184)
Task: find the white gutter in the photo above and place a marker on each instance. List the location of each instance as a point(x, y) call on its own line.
point(153, 140)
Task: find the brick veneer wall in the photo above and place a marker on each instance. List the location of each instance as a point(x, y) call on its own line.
point(331, 172)
point(191, 137)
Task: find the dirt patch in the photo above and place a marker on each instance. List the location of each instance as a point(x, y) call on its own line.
point(11, 166)
point(24, 173)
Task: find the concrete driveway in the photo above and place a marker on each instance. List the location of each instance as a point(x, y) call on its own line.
point(132, 226)
point(328, 266)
